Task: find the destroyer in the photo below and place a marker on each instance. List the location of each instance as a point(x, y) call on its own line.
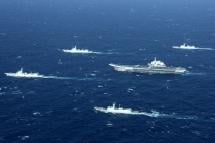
point(75, 50)
point(116, 110)
point(154, 67)
point(127, 111)
point(190, 47)
point(20, 74)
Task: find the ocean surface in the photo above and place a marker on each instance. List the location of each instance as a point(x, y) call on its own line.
point(61, 110)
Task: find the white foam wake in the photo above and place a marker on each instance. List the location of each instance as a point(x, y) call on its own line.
point(190, 47)
point(69, 78)
point(75, 50)
point(194, 74)
point(128, 111)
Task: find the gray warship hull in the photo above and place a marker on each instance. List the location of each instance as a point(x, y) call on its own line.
point(148, 70)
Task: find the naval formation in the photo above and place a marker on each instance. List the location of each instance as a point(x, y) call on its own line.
point(154, 67)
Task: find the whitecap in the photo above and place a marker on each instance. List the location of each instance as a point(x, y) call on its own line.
point(92, 74)
point(19, 57)
point(24, 137)
point(37, 114)
point(16, 92)
point(130, 90)
point(100, 86)
point(109, 124)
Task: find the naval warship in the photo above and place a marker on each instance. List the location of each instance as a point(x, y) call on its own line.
point(154, 67)
point(127, 111)
point(21, 73)
point(113, 109)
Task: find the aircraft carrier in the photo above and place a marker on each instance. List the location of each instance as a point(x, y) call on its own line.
point(154, 67)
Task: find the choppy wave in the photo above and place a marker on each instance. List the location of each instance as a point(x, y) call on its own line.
point(190, 47)
point(75, 50)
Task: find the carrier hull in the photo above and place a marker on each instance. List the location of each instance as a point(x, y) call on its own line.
point(148, 70)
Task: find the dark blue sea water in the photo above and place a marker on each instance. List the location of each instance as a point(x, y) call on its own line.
point(32, 34)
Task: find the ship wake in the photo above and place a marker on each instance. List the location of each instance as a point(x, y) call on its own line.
point(190, 47)
point(194, 74)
